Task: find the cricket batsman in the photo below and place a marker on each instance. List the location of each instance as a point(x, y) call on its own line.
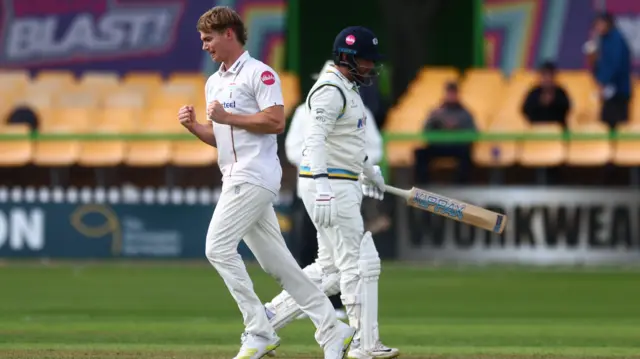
point(333, 162)
point(246, 111)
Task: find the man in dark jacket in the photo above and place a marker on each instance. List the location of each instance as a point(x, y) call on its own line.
point(450, 116)
point(548, 101)
point(612, 70)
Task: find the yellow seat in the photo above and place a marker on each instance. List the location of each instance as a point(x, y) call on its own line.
point(407, 120)
point(57, 153)
point(103, 153)
point(195, 81)
point(589, 152)
point(125, 98)
point(626, 152)
point(99, 80)
point(154, 153)
point(502, 153)
point(124, 120)
point(55, 79)
point(174, 96)
point(145, 81)
point(13, 81)
point(71, 118)
point(78, 98)
point(193, 154)
point(15, 153)
point(543, 153)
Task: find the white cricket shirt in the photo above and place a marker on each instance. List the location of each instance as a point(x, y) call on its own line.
point(247, 87)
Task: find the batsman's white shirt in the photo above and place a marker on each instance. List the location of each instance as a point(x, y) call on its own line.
point(247, 87)
point(334, 135)
point(294, 141)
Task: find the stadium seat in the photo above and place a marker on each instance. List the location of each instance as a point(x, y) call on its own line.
point(123, 120)
point(15, 153)
point(72, 118)
point(405, 120)
point(174, 96)
point(13, 80)
point(543, 153)
point(125, 98)
point(78, 98)
point(500, 153)
point(146, 82)
point(57, 153)
point(104, 153)
point(589, 152)
point(193, 153)
point(626, 153)
point(581, 89)
point(523, 77)
point(97, 80)
point(55, 80)
point(195, 81)
point(154, 153)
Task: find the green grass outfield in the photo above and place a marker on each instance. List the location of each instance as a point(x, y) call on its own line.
point(171, 310)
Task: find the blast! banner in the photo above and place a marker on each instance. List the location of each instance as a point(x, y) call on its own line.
point(126, 35)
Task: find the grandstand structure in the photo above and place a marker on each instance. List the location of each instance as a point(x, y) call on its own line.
point(147, 103)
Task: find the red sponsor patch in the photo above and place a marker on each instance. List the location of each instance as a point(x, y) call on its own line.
point(350, 40)
point(268, 78)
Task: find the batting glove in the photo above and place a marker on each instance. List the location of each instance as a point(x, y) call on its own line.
point(372, 183)
point(324, 208)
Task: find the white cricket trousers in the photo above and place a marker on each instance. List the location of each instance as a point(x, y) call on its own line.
point(245, 211)
point(339, 246)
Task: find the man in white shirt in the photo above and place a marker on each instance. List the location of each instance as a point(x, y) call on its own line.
point(246, 109)
point(334, 162)
point(293, 148)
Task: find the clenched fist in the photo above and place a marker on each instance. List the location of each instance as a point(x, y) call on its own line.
point(187, 116)
point(217, 113)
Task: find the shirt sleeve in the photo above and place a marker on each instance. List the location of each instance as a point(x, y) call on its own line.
point(294, 140)
point(267, 88)
point(374, 139)
point(325, 106)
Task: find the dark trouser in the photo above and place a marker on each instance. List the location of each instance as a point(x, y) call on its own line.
point(309, 243)
point(615, 110)
point(424, 156)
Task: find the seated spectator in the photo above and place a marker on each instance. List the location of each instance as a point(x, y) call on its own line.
point(548, 101)
point(450, 116)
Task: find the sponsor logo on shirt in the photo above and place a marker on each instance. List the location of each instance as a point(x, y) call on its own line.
point(267, 78)
point(231, 104)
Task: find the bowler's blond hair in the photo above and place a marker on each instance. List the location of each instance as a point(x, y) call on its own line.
point(219, 19)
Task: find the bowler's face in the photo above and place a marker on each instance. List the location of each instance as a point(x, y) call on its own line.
point(212, 43)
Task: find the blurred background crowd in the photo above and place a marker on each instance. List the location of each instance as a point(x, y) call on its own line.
point(90, 89)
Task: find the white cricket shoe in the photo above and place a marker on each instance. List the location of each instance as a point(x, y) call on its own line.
point(255, 347)
point(339, 346)
point(380, 351)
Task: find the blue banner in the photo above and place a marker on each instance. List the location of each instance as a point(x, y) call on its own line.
point(94, 223)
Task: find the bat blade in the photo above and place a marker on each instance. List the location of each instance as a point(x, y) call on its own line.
point(451, 208)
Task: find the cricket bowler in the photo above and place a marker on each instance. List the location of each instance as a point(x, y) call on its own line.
point(334, 174)
point(246, 111)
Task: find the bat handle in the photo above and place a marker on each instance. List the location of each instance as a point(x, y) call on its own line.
point(396, 191)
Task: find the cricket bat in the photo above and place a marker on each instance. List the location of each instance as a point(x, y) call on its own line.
point(451, 208)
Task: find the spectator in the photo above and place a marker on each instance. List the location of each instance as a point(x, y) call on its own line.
point(611, 69)
point(548, 101)
point(451, 115)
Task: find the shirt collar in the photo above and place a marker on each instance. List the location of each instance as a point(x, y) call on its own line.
point(350, 84)
point(236, 65)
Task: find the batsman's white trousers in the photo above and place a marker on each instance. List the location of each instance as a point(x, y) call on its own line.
point(245, 211)
point(339, 246)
